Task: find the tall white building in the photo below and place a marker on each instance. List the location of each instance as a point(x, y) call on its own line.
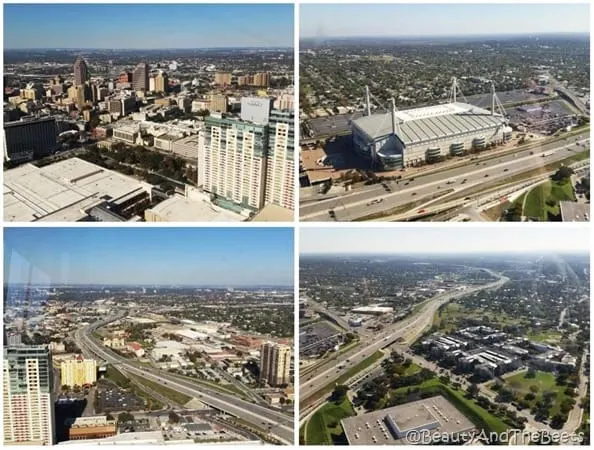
point(275, 363)
point(280, 168)
point(27, 396)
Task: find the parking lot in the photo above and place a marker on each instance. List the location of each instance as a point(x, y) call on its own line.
point(318, 338)
point(111, 398)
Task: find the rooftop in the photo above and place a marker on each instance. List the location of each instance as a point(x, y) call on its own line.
point(182, 209)
point(574, 212)
point(428, 123)
point(434, 413)
point(274, 213)
point(63, 191)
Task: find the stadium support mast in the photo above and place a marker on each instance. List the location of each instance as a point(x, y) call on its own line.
point(393, 113)
point(454, 88)
point(493, 98)
point(367, 101)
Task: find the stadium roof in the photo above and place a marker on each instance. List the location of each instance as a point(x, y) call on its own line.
point(428, 123)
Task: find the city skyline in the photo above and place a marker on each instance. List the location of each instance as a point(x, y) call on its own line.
point(195, 26)
point(233, 257)
point(410, 20)
point(441, 240)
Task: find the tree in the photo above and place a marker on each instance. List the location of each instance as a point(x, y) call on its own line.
point(65, 387)
point(533, 388)
point(173, 417)
point(473, 390)
point(109, 416)
point(125, 417)
point(339, 393)
point(531, 373)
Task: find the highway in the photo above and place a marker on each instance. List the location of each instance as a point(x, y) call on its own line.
point(482, 173)
point(278, 425)
point(408, 330)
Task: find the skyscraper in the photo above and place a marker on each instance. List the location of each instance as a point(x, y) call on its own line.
point(280, 163)
point(140, 77)
point(81, 71)
point(27, 396)
point(78, 371)
point(161, 82)
point(275, 362)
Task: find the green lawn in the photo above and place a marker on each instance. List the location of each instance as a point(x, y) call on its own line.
point(545, 381)
point(547, 336)
point(171, 394)
point(549, 191)
point(324, 426)
point(412, 369)
point(451, 314)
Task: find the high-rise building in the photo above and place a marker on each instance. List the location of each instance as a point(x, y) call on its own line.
point(280, 163)
point(234, 160)
point(81, 71)
point(140, 77)
point(26, 139)
point(275, 363)
point(161, 82)
point(78, 371)
point(223, 78)
point(27, 396)
point(218, 103)
point(261, 79)
point(125, 77)
point(244, 80)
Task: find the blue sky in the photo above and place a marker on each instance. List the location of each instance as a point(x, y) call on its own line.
point(334, 20)
point(445, 239)
point(148, 255)
point(147, 26)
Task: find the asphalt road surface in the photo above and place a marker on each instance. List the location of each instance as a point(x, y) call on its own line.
point(357, 204)
point(279, 425)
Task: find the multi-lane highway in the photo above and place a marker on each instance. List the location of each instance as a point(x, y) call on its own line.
point(278, 425)
point(405, 330)
point(482, 173)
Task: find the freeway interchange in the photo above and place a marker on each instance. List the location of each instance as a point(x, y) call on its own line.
point(277, 424)
point(406, 330)
point(478, 174)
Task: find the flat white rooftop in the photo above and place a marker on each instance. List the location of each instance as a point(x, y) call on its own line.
point(63, 191)
point(181, 209)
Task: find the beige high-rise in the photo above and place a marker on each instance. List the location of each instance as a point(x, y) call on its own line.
point(275, 363)
point(78, 371)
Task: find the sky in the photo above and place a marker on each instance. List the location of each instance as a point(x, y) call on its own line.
point(147, 26)
point(224, 256)
point(334, 20)
point(444, 239)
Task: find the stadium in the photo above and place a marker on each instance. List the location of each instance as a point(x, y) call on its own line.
point(398, 139)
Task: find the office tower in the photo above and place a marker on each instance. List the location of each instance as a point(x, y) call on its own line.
point(234, 158)
point(280, 163)
point(218, 103)
point(275, 362)
point(223, 78)
point(28, 138)
point(140, 78)
point(78, 371)
point(28, 405)
point(161, 82)
point(81, 71)
point(244, 80)
point(79, 94)
point(125, 77)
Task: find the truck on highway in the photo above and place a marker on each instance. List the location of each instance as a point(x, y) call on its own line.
point(545, 154)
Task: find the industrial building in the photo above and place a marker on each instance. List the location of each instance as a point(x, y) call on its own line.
point(373, 310)
point(28, 413)
point(72, 190)
point(95, 427)
point(392, 425)
point(397, 139)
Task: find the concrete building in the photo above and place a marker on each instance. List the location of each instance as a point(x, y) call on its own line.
point(95, 427)
point(161, 82)
point(407, 138)
point(29, 138)
point(261, 79)
point(81, 71)
point(256, 109)
point(394, 425)
point(140, 77)
point(218, 103)
point(280, 165)
point(28, 409)
point(78, 371)
point(71, 190)
point(165, 142)
point(223, 78)
point(127, 134)
point(275, 362)
point(188, 147)
point(234, 161)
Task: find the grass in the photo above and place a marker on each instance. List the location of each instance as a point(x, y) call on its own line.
point(545, 381)
point(452, 313)
point(324, 427)
point(344, 377)
point(538, 199)
point(546, 336)
point(412, 369)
